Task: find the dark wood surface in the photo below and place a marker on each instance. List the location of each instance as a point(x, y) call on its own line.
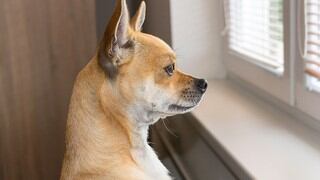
point(43, 44)
point(194, 158)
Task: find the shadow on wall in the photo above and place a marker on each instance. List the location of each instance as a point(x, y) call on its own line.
point(104, 9)
point(158, 21)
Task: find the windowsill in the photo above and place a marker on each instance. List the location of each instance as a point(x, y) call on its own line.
point(265, 141)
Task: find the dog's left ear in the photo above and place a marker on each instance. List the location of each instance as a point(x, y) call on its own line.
point(116, 41)
point(138, 19)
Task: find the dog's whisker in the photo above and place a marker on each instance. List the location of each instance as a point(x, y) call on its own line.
point(151, 143)
point(172, 133)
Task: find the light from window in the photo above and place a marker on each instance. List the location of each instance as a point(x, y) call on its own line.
point(312, 50)
point(256, 31)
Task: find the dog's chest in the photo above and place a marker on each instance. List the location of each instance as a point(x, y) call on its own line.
point(149, 162)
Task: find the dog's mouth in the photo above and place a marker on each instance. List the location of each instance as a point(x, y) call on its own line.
point(179, 108)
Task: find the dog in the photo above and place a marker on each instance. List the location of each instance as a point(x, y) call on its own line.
point(131, 82)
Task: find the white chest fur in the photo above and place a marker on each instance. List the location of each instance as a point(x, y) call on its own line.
point(141, 152)
point(149, 162)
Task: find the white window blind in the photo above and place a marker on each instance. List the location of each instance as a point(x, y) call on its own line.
point(256, 31)
point(312, 46)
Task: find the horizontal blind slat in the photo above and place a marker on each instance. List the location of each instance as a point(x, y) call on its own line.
point(257, 41)
point(259, 50)
point(313, 23)
point(313, 4)
point(313, 42)
point(313, 53)
point(256, 22)
point(315, 33)
point(312, 56)
point(312, 72)
point(257, 53)
point(265, 59)
point(313, 13)
point(313, 62)
point(313, 39)
point(258, 34)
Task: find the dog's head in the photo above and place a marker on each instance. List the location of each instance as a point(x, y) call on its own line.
point(142, 68)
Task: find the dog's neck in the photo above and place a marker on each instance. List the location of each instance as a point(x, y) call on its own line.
point(93, 125)
point(134, 118)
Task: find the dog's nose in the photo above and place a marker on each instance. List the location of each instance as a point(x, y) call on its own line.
point(201, 85)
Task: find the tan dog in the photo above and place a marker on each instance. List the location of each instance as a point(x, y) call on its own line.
point(128, 85)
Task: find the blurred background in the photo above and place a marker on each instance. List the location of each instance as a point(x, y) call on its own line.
point(268, 48)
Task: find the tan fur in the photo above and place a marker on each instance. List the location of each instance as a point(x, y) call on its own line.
point(97, 139)
point(108, 119)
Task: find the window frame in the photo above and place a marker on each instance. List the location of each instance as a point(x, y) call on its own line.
point(263, 63)
point(290, 87)
point(244, 67)
point(307, 100)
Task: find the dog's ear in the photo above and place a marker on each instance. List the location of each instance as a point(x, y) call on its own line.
point(138, 19)
point(116, 39)
point(118, 28)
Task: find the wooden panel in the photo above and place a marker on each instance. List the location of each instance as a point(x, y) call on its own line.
point(158, 22)
point(43, 44)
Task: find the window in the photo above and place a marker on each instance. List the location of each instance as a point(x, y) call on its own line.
point(307, 85)
point(281, 36)
point(258, 44)
point(312, 46)
point(256, 31)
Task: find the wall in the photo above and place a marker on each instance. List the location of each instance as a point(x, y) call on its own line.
point(158, 21)
point(194, 30)
point(104, 10)
point(196, 36)
point(43, 45)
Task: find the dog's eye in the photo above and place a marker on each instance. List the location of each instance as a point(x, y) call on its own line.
point(169, 69)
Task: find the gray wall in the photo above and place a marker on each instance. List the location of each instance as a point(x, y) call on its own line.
point(158, 20)
point(104, 10)
point(196, 28)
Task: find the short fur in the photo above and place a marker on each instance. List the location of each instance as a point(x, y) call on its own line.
point(124, 88)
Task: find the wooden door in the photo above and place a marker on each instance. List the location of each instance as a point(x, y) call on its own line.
point(43, 45)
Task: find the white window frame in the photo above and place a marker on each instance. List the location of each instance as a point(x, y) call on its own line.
point(260, 75)
point(307, 100)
